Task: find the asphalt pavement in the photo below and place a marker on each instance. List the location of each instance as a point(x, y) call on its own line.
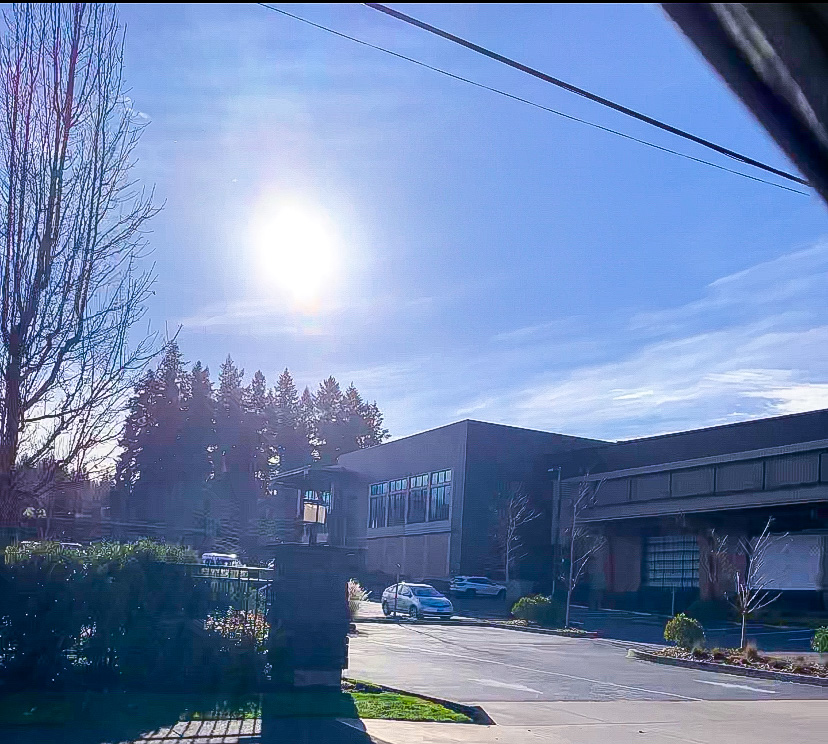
point(479, 665)
point(642, 627)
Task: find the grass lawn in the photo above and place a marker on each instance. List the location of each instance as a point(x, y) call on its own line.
point(149, 711)
point(404, 708)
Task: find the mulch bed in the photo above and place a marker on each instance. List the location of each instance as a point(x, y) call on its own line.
point(749, 660)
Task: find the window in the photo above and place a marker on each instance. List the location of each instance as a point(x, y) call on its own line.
point(417, 505)
point(396, 509)
point(315, 506)
point(410, 500)
point(425, 591)
point(438, 504)
point(377, 509)
point(440, 477)
point(672, 562)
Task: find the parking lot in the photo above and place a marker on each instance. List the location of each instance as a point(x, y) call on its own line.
point(641, 627)
point(474, 664)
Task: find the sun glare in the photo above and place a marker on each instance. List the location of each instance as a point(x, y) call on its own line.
point(296, 251)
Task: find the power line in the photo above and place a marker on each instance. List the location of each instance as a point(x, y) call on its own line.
point(527, 101)
point(585, 93)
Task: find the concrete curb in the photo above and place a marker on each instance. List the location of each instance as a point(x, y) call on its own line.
point(713, 666)
point(485, 624)
point(475, 712)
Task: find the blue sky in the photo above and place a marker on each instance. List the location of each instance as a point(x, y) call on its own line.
point(481, 258)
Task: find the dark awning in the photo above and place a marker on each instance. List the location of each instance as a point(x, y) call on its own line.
point(312, 477)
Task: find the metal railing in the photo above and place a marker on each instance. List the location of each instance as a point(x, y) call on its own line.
point(244, 588)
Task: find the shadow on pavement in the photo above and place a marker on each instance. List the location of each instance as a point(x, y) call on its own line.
point(276, 729)
point(159, 723)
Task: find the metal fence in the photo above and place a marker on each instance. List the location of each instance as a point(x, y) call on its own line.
point(241, 587)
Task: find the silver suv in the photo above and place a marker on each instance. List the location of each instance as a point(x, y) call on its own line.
point(416, 601)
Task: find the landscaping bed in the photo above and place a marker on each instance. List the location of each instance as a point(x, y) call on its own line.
point(749, 659)
point(744, 668)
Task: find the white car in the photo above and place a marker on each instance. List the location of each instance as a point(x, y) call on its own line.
point(416, 601)
point(470, 586)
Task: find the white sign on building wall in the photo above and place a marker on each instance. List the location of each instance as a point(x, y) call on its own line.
point(794, 563)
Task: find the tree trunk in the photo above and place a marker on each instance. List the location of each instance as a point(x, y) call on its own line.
point(569, 586)
point(744, 623)
point(9, 437)
point(508, 561)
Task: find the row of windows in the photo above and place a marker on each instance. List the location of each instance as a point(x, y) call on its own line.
point(410, 500)
point(416, 481)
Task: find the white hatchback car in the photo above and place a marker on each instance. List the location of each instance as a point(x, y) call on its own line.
point(416, 601)
point(470, 586)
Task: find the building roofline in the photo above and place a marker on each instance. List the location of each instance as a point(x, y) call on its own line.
point(719, 427)
point(482, 423)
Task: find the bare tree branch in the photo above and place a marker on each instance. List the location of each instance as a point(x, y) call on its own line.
point(72, 225)
point(582, 543)
point(514, 512)
point(751, 586)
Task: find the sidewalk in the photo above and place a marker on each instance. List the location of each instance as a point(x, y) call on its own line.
point(624, 722)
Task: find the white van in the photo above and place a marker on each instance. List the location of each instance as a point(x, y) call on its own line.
point(225, 560)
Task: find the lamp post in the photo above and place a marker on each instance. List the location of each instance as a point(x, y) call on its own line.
point(397, 589)
point(556, 529)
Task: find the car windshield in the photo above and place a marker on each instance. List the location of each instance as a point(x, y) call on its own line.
point(425, 591)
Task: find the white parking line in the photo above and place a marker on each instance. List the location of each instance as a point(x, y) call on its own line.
point(421, 650)
point(505, 685)
point(733, 686)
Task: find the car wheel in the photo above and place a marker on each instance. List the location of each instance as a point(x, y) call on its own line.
point(412, 613)
point(386, 610)
point(501, 594)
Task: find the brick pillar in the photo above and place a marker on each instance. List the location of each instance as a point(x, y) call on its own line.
point(309, 619)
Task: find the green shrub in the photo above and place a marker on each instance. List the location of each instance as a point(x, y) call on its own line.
point(711, 611)
point(105, 613)
point(685, 632)
point(820, 640)
point(539, 609)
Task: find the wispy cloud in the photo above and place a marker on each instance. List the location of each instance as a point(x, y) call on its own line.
point(277, 316)
point(754, 344)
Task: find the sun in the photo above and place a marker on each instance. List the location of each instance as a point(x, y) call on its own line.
point(297, 250)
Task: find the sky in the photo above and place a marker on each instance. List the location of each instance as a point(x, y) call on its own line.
point(457, 254)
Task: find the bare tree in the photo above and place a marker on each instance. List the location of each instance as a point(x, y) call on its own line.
point(583, 544)
point(515, 511)
point(72, 230)
point(751, 586)
point(716, 563)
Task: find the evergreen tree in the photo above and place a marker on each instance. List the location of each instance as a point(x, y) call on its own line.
point(290, 433)
point(307, 421)
point(238, 447)
point(258, 429)
point(135, 457)
point(345, 423)
point(150, 471)
point(199, 435)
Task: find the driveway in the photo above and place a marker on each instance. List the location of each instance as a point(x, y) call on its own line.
point(483, 665)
